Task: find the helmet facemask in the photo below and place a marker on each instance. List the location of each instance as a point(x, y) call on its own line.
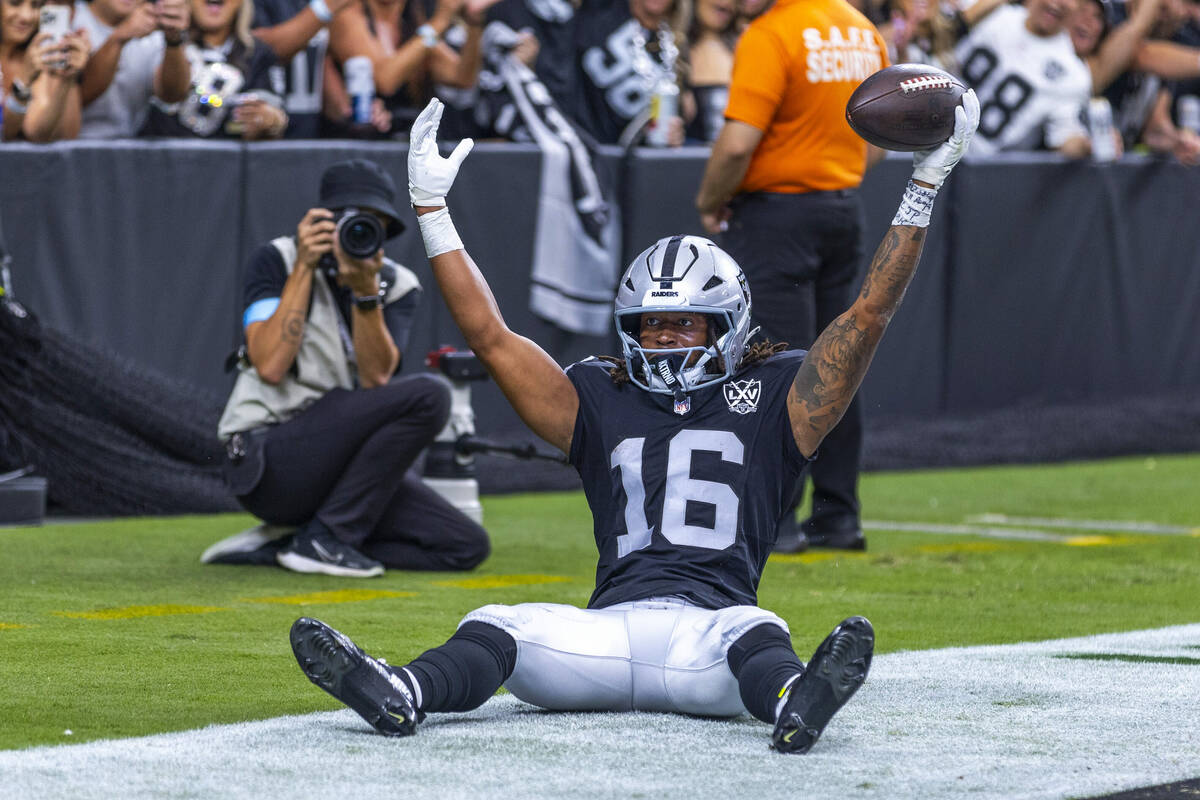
point(663, 370)
point(683, 274)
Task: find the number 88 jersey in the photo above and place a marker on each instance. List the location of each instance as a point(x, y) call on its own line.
point(685, 497)
point(1032, 89)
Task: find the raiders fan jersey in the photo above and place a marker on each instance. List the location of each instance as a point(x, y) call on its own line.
point(1032, 89)
point(219, 76)
point(303, 77)
point(610, 91)
point(685, 497)
point(553, 23)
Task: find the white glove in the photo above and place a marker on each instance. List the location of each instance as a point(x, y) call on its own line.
point(429, 175)
point(933, 166)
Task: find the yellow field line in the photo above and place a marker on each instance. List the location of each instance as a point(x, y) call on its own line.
point(135, 612)
point(335, 596)
point(814, 558)
point(501, 581)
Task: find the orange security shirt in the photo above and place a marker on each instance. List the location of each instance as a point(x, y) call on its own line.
point(794, 70)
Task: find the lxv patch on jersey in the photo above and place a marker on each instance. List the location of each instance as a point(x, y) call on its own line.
point(742, 396)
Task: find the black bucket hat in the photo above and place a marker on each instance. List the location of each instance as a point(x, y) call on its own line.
point(360, 183)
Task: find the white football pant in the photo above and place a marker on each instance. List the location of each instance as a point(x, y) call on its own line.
point(662, 654)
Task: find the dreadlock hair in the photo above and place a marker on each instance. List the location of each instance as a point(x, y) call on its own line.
point(755, 353)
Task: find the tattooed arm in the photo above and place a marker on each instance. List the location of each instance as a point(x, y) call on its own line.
point(838, 360)
point(835, 366)
point(272, 344)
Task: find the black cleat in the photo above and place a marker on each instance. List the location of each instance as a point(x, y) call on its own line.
point(788, 536)
point(845, 539)
point(365, 684)
point(833, 675)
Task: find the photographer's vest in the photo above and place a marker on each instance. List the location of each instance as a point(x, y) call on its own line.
point(322, 363)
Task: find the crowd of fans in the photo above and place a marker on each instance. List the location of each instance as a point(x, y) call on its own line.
point(625, 71)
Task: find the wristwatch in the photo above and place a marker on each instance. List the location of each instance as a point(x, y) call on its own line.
point(429, 36)
point(369, 302)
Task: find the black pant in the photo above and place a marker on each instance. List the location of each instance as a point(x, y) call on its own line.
point(801, 255)
point(345, 462)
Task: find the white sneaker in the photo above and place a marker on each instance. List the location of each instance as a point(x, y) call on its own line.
point(257, 545)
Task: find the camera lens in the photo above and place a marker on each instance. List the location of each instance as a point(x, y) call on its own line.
point(360, 235)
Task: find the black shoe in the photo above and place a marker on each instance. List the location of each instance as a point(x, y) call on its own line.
point(788, 536)
point(367, 685)
point(315, 549)
point(844, 538)
point(833, 675)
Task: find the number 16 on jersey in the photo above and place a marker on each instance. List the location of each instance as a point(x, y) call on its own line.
point(679, 487)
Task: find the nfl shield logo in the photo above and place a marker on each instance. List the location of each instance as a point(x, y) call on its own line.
point(742, 396)
point(683, 406)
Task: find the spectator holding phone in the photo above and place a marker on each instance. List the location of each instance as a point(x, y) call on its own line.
point(41, 59)
point(231, 91)
point(138, 55)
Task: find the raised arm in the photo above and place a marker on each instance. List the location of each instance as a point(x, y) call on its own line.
point(1168, 60)
point(835, 366)
point(974, 15)
point(1117, 51)
point(538, 389)
point(293, 35)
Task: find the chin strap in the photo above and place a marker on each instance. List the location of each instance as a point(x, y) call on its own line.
point(668, 369)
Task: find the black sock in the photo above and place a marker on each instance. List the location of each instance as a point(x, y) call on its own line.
point(464, 672)
point(762, 660)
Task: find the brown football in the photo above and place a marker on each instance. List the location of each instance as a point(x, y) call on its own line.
point(905, 107)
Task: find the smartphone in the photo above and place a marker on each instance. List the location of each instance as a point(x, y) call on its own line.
point(55, 20)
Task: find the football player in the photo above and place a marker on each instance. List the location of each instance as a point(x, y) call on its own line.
point(688, 447)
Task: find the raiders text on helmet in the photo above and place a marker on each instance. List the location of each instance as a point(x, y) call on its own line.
point(684, 273)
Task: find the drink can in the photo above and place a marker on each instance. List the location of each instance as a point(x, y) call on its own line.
point(664, 105)
point(1100, 128)
point(360, 84)
point(1189, 112)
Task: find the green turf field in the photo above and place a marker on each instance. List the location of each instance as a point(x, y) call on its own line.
point(114, 629)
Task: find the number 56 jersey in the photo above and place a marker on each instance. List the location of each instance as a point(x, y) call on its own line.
point(685, 497)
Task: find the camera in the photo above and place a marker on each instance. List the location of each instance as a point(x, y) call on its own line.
point(360, 233)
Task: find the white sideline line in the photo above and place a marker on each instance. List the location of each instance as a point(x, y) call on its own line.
point(1119, 526)
point(982, 722)
point(1029, 534)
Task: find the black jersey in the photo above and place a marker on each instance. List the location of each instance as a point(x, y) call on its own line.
point(219, 75)
point(685, 504)
point(303, 78)
point(553, 23)
point(610, 91)
point(710, 112)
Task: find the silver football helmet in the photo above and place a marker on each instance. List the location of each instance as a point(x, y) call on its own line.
point(684, 273)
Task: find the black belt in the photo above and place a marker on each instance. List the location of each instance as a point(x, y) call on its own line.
point(782, 197)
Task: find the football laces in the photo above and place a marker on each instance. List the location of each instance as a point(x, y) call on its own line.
point(925, 83)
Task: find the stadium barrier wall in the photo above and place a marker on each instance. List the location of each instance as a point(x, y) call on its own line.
point(1043, 282)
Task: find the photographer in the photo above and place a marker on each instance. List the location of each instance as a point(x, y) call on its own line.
point(318, 433)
